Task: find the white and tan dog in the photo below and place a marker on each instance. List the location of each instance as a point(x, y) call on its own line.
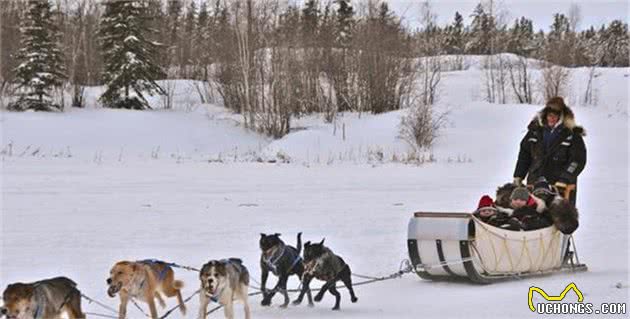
point(223, 281)
point(145, 280)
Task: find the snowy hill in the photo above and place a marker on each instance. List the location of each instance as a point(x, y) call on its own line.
point(184, 186)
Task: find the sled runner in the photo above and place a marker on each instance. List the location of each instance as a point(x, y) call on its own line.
point(458, 246)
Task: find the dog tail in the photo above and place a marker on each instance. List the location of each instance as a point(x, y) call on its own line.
point(299, 243)
point(178, 284)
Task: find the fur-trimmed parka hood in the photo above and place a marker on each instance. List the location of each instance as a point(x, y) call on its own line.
point(567, 117)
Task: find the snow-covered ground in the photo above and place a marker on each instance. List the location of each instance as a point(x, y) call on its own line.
point(109, 185)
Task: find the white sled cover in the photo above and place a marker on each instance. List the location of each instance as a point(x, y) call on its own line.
point(499, 251)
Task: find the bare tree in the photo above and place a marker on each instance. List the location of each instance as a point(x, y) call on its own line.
point(430, 46)
point(521, 79)
point(590, 94)
point(495, 65)
point(555, 80)
point(575, 16)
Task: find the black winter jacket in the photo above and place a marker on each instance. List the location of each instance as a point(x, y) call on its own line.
point(562, 161)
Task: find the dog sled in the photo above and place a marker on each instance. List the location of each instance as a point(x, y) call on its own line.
point(458, 246)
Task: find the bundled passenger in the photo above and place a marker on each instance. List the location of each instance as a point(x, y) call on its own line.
point(529, 212)
point(488, 213)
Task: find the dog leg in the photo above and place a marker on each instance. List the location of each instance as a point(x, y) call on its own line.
point(122, 309)
point(203, 305)
point(151, 301)
point(305, 289)
point(263, 283)
point(72, 314)
point(158, 296)
point(229, 310)
point(302, 274)
point(73, 308)
point(334, 292)
point(173, 290)
point(309, 296)
point(282, 283)
point(346, 277)
point(322, 291)
point(272, 292)
point(244, 296)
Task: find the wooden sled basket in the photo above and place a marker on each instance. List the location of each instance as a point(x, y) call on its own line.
point(458, 246)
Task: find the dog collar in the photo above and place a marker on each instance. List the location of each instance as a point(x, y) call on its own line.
point(215, 297)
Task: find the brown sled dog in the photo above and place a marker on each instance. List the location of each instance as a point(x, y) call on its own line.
point(145, 280)
point(48, 298)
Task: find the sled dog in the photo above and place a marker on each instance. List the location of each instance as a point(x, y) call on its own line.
point(48, 298)
point(223, 281)
point(321, 263)
point(283, 261)
point(144, 280)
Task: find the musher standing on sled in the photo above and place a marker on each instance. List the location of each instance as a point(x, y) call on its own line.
point(552, 148)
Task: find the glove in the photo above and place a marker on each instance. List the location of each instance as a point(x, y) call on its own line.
point(518, 181)
point(515, 224)
point(561, 187)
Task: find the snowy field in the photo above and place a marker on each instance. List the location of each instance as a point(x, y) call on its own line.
point(84, 189)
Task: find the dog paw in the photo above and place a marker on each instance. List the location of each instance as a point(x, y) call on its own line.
point(296, 302)
point(318, 298)
point(354, 299)
point(284, 306)
point(265, 302)
point(336, 308)
point(310, 304)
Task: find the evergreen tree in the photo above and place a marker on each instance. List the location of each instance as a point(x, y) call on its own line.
point(560, 41)
point(586, 47)
point(41, 67)
point(289, 22)
point(521, 37)
point(481, 32)
point(614, 45)
point(454, 39)
point(345, 23)
point(202, 46)
point(326, 36)
point(173, 25)
point(310, 22)
point(190, 21)
point(158, 28)
point(129, 57)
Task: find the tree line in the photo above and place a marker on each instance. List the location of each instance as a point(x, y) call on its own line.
point(266, 60)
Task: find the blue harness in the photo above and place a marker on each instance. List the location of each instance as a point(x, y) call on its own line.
point(161, 274)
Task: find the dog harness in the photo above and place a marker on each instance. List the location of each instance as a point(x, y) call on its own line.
point(38, 313)
point(161, 274)
point(38, 309)
point(272, 264)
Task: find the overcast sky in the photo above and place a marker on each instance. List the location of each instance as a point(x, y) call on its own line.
point(593, 12)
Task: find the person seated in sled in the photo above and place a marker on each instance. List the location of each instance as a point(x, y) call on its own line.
point(553, 147)
point(488, 213)
point(529, 212)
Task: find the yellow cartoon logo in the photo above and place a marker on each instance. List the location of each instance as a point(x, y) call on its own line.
point(530, 295)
